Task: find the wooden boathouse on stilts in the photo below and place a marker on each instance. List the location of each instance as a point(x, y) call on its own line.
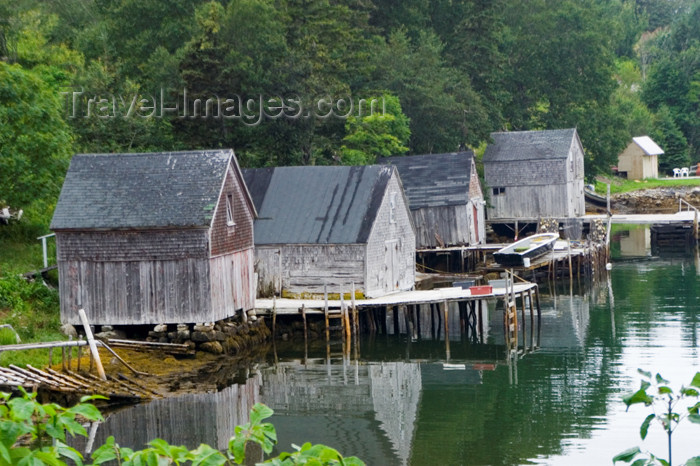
point(447, 205)
point(331, 226)
point(155, 238)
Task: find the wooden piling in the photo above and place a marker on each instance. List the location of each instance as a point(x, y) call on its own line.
point(303, 318)
point(325, 312)
point(522, 315)
point(539, 313)
point(91, 342)
point(70, 354)
point(80, 353)
point(274, 316)
point(355, 325)
point(346, 321)
point(445, 311)
point(407, 321)
point(481, 320)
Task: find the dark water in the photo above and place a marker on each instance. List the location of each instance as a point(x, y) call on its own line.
point(398, 403)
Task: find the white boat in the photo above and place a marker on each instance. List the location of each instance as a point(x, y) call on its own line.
point(529, 248)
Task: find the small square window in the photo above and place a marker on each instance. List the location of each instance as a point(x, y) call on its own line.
point(499, 191)
point(229, 210)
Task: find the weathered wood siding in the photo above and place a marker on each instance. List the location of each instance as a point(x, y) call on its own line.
point(301, 268)
point(455, 224)
point(229, 238)
point(477, 222)
point(531, 202)
point(450, 223)
point(232, 248)
point(476, 209)
point(391, 248)
point(232, 283)
point(131, 245)
point(130, 278)
point(575, 175)
point(544, 188)
point(133, 293)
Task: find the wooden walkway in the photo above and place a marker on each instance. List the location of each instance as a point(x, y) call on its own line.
point(677, 217)
point(646, 219)
point(379, 313)
point(417, 297)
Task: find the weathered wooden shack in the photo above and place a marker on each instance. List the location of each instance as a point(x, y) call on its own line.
point(154, 238)
point(445, 198)
point(533, 174)
point(333, 226)
point(640, 159)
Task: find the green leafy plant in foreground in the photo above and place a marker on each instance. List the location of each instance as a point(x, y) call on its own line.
point(34, 434)
point(656, 393)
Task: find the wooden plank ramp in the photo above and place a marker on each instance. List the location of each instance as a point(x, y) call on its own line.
point(122, 389)
point(118, 389)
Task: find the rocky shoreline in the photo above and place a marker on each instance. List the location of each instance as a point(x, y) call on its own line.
point(656, 200)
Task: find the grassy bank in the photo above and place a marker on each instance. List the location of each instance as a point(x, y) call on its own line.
point(31, 307)
point(622, 185)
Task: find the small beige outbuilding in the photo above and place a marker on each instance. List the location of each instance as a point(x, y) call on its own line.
point(640, 159)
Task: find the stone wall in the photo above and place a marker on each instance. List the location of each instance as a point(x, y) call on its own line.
point(229, 336)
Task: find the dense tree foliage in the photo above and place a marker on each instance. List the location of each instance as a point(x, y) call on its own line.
point(383, 132)
point(281, 81)
point(674, 81)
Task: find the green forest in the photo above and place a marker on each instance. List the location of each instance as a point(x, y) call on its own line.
point(282, 82)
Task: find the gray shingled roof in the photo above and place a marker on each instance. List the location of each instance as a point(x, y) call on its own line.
point(529, 145)
point(134, 191)
point(316, 205)
point(434, 180)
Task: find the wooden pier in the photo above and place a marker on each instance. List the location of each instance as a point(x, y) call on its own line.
point(572, 256)
point(400, 312)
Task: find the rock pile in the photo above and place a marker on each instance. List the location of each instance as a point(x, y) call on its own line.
point(658, 200)
point(226, 336)
point(548, 225)
point(598, 231)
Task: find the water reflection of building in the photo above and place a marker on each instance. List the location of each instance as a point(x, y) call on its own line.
point(383, 412)
point(635, 242)
point(565, 322)
point(334, 404)
point(187, 420)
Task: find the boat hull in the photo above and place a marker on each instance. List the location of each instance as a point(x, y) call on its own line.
point(537, 246)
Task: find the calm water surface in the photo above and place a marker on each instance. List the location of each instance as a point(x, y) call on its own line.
point(399, 404)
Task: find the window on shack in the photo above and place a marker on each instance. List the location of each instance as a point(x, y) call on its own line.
point(229, 210)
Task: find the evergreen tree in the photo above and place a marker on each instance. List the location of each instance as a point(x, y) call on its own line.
point(670, 138)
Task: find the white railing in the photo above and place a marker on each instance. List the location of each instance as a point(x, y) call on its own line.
point(43, 247)
point(689, 206)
